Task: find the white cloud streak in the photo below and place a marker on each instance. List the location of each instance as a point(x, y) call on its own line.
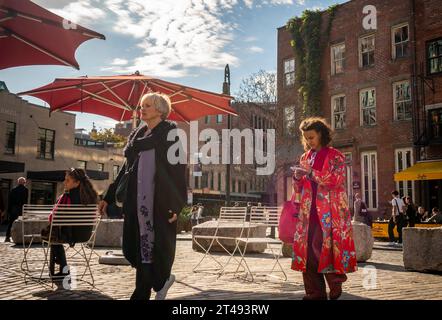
point(174, 37)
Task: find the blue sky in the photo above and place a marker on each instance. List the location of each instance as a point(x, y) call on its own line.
point(185, 41)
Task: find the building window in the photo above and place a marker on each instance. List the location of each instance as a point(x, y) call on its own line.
point(402, 100)
point(289, 72)
point(82, 164)
point(368, 107)
point(207, 120)
point(400, 39)
point(197, 182)
point(212, 177)
point(337, 58)
point(435, 124)
point(101, 167)
point(338, 111)
point(434, 55)
point(11, 129)
point(205, 180)
point(115, 170)
point(46, 142)
point(370, 179)
point(43, 193)
point(349, 176)
point(366, 51)
point(219, 118)
point(289, 120)
point(219, 181)
point(404, 160)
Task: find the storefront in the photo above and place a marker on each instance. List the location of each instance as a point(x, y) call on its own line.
point(429, 177)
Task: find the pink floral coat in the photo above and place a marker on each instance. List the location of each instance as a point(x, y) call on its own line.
point(338, 253)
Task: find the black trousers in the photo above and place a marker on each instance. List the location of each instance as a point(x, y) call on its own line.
point(145, 282)
point(11, 219)
point(399, 224)
point(57, 256)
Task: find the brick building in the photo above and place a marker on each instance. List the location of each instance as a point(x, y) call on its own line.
point(368, 96)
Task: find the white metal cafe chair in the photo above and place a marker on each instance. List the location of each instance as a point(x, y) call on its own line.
point(76, 217)
point(230, 216)
point(32, 214)
point(267, 217)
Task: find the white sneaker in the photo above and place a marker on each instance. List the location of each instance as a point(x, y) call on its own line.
point(392, 244)
point(399, 245)
point(161, 295)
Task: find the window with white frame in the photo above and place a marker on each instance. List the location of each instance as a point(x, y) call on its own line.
point(366, 51)
point(434, 56)
point(289, 120)
point(368, 107)
point(338, 111)
point(403, 160)
point(369, 175)
point(402, 100)
point(289, 72)
point(349, 176)
point(337, 58)
point(400, 40)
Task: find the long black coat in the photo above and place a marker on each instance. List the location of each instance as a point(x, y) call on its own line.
point(170, 197)
point(17, 198)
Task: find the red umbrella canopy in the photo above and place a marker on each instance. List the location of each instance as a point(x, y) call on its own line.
point(118, 97)
point(31, 35)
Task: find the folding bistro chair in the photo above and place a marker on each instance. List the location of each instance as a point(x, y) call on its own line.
point(82, 221)
point(30, 229)
point(91, 243)
point(268, 217)
point(228, 215)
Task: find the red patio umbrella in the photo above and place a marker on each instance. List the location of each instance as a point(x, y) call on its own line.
point(31, 35)
point(118, 97)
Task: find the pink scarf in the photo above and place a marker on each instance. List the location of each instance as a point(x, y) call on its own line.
point(62, 200)
point(316, 159)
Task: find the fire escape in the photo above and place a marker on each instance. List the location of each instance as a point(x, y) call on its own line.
point(423, 134)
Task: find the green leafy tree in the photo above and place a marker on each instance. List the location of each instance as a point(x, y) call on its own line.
point(107, 135)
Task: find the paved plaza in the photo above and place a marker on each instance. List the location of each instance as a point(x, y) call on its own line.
point(385, 279)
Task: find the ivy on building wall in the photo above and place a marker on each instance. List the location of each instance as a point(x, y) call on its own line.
point(308, 48)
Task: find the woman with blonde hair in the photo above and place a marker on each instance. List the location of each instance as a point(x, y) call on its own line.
point(156, 192)
point(323, 241)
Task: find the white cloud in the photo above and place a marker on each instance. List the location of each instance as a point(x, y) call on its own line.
point(255, 49)
point(83, 12)
point(119, 62)
point(250, 39)
point(174, 37)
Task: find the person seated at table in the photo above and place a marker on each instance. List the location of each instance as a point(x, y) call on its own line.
point(422, 215)
point(436, 216)
point(78, 191)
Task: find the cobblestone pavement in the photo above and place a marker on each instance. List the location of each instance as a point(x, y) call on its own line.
point(385, 278)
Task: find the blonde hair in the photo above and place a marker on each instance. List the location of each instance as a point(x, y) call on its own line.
point(160, 102)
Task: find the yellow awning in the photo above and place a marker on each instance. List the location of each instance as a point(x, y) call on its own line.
point(421, 171)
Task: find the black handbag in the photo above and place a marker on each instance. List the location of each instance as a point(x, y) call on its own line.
point(121, 191)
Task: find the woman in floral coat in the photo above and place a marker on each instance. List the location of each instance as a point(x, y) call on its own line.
point(323, 242)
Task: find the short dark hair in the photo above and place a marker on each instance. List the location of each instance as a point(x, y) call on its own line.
point(321, 126)
point(395, 193)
